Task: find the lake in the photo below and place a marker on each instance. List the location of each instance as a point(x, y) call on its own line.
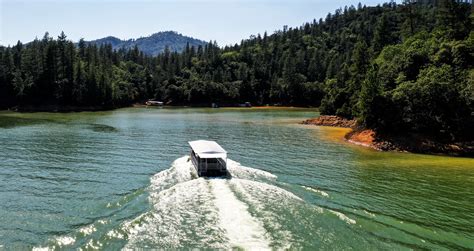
point(122, 179)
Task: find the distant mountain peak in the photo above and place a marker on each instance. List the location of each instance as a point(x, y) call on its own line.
point(111, 37)
point(153, 44)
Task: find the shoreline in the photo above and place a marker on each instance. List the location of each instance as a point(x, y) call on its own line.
point(68, 108)
point(412, 143)
point(60, 108)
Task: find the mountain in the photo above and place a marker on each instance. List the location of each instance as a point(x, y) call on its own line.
point(153, 44)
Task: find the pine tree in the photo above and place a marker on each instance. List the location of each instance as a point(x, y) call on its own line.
point(369, 93)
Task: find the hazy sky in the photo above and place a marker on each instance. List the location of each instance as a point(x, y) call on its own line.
point(226, 21)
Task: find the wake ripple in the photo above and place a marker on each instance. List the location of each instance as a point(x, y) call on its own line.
point(247, 211)
point(242, 229)
point(188, 211)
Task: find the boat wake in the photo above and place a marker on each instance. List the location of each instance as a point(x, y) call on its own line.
point(188, 211)
point(247, 211)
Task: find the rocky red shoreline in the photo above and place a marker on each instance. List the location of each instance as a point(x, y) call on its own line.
point(327, 120)
point(414, 143)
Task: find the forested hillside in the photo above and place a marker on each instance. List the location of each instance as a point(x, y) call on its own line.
point(394, 67)
point(153, 44)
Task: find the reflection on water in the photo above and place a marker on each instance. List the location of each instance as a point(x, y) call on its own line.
point(96, 180)
point(14, 121)
point(102, 128)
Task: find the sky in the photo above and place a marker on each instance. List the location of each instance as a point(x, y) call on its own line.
point(225, 21)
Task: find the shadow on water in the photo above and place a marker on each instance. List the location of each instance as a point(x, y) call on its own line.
point(226, 176)
point(8, 122)
point(102, 128)
point(216, 175)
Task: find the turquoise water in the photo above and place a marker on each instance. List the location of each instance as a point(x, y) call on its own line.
point(121, 179)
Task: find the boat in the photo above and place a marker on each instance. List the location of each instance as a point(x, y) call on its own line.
point(154, 103)
point(246, 104)
point(209, 158)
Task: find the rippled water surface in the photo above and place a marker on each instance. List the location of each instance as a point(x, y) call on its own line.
point(121, 179)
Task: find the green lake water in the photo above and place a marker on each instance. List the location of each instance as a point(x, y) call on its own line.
point(122, 179)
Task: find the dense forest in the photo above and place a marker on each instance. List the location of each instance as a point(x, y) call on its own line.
point(395, 67)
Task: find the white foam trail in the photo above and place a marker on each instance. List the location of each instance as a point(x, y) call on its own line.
point(65, 240)
point(91, 244)
point(343, 217)
point(243, 230)
point(257, 194)
point(87, 230)
point(243, 172)
point(322, 193)
point(265, 190)
point(179, 212)
point(41, 249)
point(369, 213)
point(181, 170)
point(115, 234)
point(188, 211)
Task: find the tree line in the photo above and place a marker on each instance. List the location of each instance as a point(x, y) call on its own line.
point(393, 66)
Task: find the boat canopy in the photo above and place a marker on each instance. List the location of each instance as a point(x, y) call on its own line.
point(208, 149)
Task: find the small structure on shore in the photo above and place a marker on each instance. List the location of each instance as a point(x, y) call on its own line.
point(209, 158)
point(246, 104)
point(154, 103)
